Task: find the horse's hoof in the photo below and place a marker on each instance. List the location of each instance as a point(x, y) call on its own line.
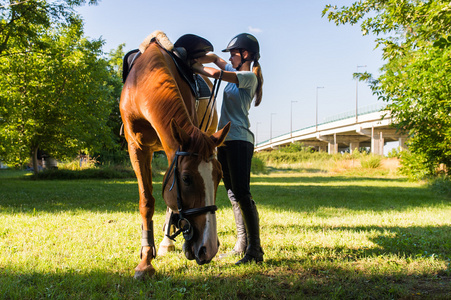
point(163, 250)
point(142, 275)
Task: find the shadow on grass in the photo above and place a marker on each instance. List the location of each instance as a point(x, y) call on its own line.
point(433, 242)
point(312, 194)
point(292, 194)
point(272, 280)
point(320, 179)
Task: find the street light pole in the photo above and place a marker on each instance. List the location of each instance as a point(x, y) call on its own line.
point(357, 95)
point(318, 87)
point(291, 118)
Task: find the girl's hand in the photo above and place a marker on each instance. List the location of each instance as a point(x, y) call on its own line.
point(208, 58)
point(198, 68)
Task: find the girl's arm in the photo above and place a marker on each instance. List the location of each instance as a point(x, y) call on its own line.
point(212, 72)
point(212, 58)
point(215, 73)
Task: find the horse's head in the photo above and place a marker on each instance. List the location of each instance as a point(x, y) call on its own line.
point(189, 189)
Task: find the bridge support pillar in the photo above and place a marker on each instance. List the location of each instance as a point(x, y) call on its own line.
point(377, 143)
point(333, 145)
point(354, 146)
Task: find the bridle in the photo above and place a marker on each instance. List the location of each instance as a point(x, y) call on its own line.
point(178, 219)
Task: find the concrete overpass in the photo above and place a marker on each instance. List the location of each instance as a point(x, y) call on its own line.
point(349, 133)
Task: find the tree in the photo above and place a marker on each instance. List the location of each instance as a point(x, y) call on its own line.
point(57, 100)
point(118, 153)
point(415, 37)
point(23, 21)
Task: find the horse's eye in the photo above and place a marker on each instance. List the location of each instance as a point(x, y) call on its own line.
point(186, 180)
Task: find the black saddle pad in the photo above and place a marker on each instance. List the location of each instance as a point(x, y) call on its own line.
point(202, 87)
point(128, 61)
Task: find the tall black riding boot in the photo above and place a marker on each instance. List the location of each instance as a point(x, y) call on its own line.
point(241, 237)
point(254, 251)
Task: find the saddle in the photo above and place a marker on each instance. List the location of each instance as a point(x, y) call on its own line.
point(186, 48)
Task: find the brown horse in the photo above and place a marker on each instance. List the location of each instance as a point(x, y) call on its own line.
point(158, 112)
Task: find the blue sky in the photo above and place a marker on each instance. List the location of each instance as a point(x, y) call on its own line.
point(300, 50)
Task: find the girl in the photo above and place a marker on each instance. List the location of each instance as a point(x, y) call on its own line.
point(236, 155)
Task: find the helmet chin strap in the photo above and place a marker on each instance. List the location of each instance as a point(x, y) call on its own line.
point(243, 60)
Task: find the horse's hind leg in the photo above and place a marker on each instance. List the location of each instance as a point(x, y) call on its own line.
point(141, 160)
point(167, 245)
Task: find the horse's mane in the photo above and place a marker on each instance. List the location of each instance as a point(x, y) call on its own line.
point(201, 144)
point(161, 38)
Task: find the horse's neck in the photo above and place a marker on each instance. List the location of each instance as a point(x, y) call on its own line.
point(164, 102)
point(187, 96)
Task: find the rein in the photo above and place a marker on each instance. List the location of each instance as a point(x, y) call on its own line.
point(213, 95)
point(177, 219)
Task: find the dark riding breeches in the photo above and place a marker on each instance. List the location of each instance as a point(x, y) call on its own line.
point(235, 158)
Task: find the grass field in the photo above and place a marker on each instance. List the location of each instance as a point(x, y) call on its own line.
point(325, 235)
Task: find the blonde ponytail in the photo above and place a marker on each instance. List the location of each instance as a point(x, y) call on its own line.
point(257, 70)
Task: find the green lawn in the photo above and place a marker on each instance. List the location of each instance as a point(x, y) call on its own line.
point(324, 236)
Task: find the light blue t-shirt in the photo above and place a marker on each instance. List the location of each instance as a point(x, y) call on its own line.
point(236, 103)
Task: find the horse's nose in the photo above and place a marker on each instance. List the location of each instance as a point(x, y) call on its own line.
point(202, 253)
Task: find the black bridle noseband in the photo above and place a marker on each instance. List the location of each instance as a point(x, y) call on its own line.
point(178, 219)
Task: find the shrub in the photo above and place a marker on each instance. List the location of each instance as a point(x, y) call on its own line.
point(281, 157)
point(296, 147)
point(441, 184)
point(115, 156)
point(81, 163)
point(395, 153)
point(414, 166)
point(90, 169)
point(258, 166)
point(370, 161)
point(108, 172)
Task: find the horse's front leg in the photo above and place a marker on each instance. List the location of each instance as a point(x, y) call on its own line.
point(167, 245)
point(141, 160)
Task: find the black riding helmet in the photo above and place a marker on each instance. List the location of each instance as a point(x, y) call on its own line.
point(244, 41)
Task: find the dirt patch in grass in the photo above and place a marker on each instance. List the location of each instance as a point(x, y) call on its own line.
point(390, 164)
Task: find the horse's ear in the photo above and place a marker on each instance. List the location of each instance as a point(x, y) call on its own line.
point(219, 136)
point(179, 134)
